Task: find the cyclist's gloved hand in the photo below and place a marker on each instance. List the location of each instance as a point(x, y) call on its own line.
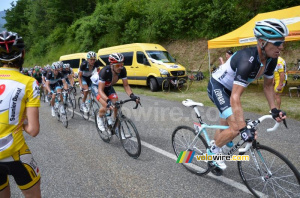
point(109, 103)
point(247, 133)
point(134, 97)
point(276, 113)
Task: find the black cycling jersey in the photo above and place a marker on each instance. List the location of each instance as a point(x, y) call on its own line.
point(106, 75)
point(52, 79)
point(66, 73)
point(242, 68)
point(84, 68)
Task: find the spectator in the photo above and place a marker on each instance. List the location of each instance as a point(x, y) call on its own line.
point(280, 79)
point(228, 55)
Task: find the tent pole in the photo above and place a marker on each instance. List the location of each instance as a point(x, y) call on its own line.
point(209, 63)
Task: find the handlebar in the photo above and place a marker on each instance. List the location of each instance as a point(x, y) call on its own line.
point(119, 103)
point(254, 124)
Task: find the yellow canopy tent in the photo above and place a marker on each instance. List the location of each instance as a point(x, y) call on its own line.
point(244, 34)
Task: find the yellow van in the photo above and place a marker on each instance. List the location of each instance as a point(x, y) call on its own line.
point(146, 64)
point(75, 61)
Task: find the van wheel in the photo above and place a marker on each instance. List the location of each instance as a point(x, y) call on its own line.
point(153, 85)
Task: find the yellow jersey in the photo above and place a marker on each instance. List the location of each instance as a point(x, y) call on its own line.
point(17, 92)
point(280, 67)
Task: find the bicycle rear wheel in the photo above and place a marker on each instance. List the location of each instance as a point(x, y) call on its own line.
point(182, 139)
point(276, 176)
point(166, 85)
point(182, 85)
point(106, 134)
point(130, 138)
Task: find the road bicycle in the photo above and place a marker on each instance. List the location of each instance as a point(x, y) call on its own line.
point(60, 116)
point(175, 83)
point(267, 173)
point(69, 99)
point(123, 128)
point(91, 105)
point(71, 95)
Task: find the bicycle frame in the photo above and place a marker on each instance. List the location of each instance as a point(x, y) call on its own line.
point(201, 129)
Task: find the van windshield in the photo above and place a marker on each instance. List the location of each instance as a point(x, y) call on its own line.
point(163, 56)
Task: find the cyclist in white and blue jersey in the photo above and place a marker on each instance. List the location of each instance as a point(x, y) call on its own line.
point(230, 80)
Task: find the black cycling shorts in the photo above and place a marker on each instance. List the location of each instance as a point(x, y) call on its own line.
point(22, 167)
point(220, 96)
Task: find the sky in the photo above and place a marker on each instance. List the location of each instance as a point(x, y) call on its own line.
point(5, 4)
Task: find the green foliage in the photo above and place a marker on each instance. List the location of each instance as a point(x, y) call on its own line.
point(90, 25)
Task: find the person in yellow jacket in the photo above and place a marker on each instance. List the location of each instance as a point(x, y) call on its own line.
point(280, 80)
point(19, 110)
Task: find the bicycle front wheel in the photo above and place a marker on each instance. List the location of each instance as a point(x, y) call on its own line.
point(130, 138)
point(106, 134)
point(70, 108)
point(269, 173)
point(94, 106)
point(72, 97)
point(83, 114)
point(166, 85)
point(182, 85)
point(185, 138)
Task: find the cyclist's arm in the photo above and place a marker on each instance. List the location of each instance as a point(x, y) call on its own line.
point(101, 86)
point(33, 126)
point(71, 79)
point(236, 105)
point(126, 86)
point(48, 86)
point(80, 78)
point(269, 92)
point(65, 84)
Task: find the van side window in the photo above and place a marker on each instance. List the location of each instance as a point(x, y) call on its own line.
point(74, 63)
point(128, 56)
point(140, 57)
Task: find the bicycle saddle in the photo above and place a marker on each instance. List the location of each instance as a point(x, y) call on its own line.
point(190, 103)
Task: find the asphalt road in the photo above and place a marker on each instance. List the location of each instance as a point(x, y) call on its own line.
point(75, 162)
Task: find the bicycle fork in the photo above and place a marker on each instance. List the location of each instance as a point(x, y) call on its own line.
point(258, 167)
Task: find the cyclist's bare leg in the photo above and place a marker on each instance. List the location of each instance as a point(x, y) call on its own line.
point(229, 134)
point(34, 191)
point(52, 100)
point(102, 109)
point(5, 193)
point(85, 93)
point(223, 122)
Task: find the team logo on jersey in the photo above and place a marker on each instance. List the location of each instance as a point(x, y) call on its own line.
point(36, 89)
point(251, 59)
point(2, 89)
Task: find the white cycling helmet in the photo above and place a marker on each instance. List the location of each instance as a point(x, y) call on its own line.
point(91, 54)
point(270, 28)
point(116, 58)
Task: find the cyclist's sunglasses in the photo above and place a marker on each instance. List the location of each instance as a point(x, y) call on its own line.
point(118, 64)
point(277, 43)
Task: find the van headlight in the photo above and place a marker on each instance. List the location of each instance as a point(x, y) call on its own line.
point(163, 72)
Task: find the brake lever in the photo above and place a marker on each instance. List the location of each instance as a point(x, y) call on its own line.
point(285, 124)
point(137, 104)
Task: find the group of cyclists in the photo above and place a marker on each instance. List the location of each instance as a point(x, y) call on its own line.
point(225, 88)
